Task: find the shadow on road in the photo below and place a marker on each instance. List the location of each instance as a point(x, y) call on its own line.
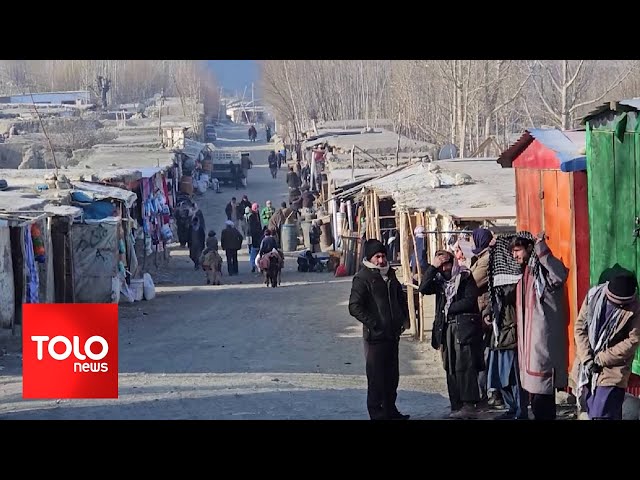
point(272, 405)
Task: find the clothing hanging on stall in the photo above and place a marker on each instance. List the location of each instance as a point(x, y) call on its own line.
point(33, 281)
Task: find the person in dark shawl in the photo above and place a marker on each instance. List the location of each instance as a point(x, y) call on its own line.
point(482, 238)
point(607, 332)
point(196, 238)
point(183, 216)
point(457, 330)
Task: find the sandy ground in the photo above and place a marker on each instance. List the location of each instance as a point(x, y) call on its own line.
point(240, 350)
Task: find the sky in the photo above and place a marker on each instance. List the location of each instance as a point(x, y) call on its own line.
point(236, 74)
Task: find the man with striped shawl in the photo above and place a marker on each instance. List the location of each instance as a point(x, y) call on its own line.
point(541, 323)
point(503, 372)
point(607, 332)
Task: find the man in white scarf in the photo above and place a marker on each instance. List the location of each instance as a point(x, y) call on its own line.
point(378, 302)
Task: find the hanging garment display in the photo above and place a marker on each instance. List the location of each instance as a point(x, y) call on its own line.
point(33, 281)
point(38, 243)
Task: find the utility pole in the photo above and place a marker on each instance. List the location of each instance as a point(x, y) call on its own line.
point(253, 103)
point(160, 114)
point(219, 104)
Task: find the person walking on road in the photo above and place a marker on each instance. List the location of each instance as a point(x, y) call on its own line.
point(231, 242)
point(293, 180)
point(378, 301)
point(197, 238)
point(273, 164)
point(233, 212)
point(255, 235)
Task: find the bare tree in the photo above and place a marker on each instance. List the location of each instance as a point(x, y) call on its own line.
point(104, 85)
point(562, 87)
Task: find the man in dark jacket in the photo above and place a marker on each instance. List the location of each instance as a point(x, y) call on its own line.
point(255, 232)
point(231, 242)
point(379, 303)
point(232, 211)
point(293, 180)
point(457, 331)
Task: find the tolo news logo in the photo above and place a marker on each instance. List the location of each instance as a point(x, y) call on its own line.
point(70, 350)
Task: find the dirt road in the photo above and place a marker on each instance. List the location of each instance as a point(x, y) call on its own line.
point(240, 350)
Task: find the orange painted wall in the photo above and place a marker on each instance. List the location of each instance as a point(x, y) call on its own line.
point(553, 213)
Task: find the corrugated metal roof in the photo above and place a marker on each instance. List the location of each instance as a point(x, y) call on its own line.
point(507, 157)
point(631, 103)
point(568, 146)
point(410, 188)
point(149, 171)
point(193, 149)
point(102, 192)
point(570, 152)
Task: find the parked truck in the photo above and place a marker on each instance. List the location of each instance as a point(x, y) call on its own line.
point(221, 169)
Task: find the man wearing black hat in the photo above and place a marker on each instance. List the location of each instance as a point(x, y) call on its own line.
point(607, 332)
point(379, 303)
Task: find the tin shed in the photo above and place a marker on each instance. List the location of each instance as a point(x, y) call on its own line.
point(613, 161)
point(551, 195)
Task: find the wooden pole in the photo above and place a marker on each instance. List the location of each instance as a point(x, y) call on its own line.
point(417, 260)
point(358, 244)
point(371, 156)
point(406, 273)
point(353, 161)
point(367, 208)
point(376, 205)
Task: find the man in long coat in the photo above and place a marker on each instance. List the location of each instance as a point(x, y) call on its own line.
point(542, 323)
point(456, 331)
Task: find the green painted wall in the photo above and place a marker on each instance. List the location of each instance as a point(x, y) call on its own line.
point(613, 169)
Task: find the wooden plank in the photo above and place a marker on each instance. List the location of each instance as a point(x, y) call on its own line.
point(562, 222)
point(406, 273)
point(581, 242)
point(636, 142)
point(417, 260)
point(550, 223)
point(522, 199)
point(558, 225)
point(572, 280)
point(535, 204)
point(376, 205)
point(601, 203)
point(624, 173)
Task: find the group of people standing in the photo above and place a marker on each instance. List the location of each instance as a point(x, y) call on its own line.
point(501, 324)
point(260, 227)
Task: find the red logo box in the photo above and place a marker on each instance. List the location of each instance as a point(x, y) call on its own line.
point(69, 350)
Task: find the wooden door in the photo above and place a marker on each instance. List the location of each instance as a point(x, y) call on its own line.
point(613, 205)
point(529, 213)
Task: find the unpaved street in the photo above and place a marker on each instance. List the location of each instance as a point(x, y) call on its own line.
point(240, 350)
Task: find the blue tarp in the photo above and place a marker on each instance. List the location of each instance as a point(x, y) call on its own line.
point(93, 210)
